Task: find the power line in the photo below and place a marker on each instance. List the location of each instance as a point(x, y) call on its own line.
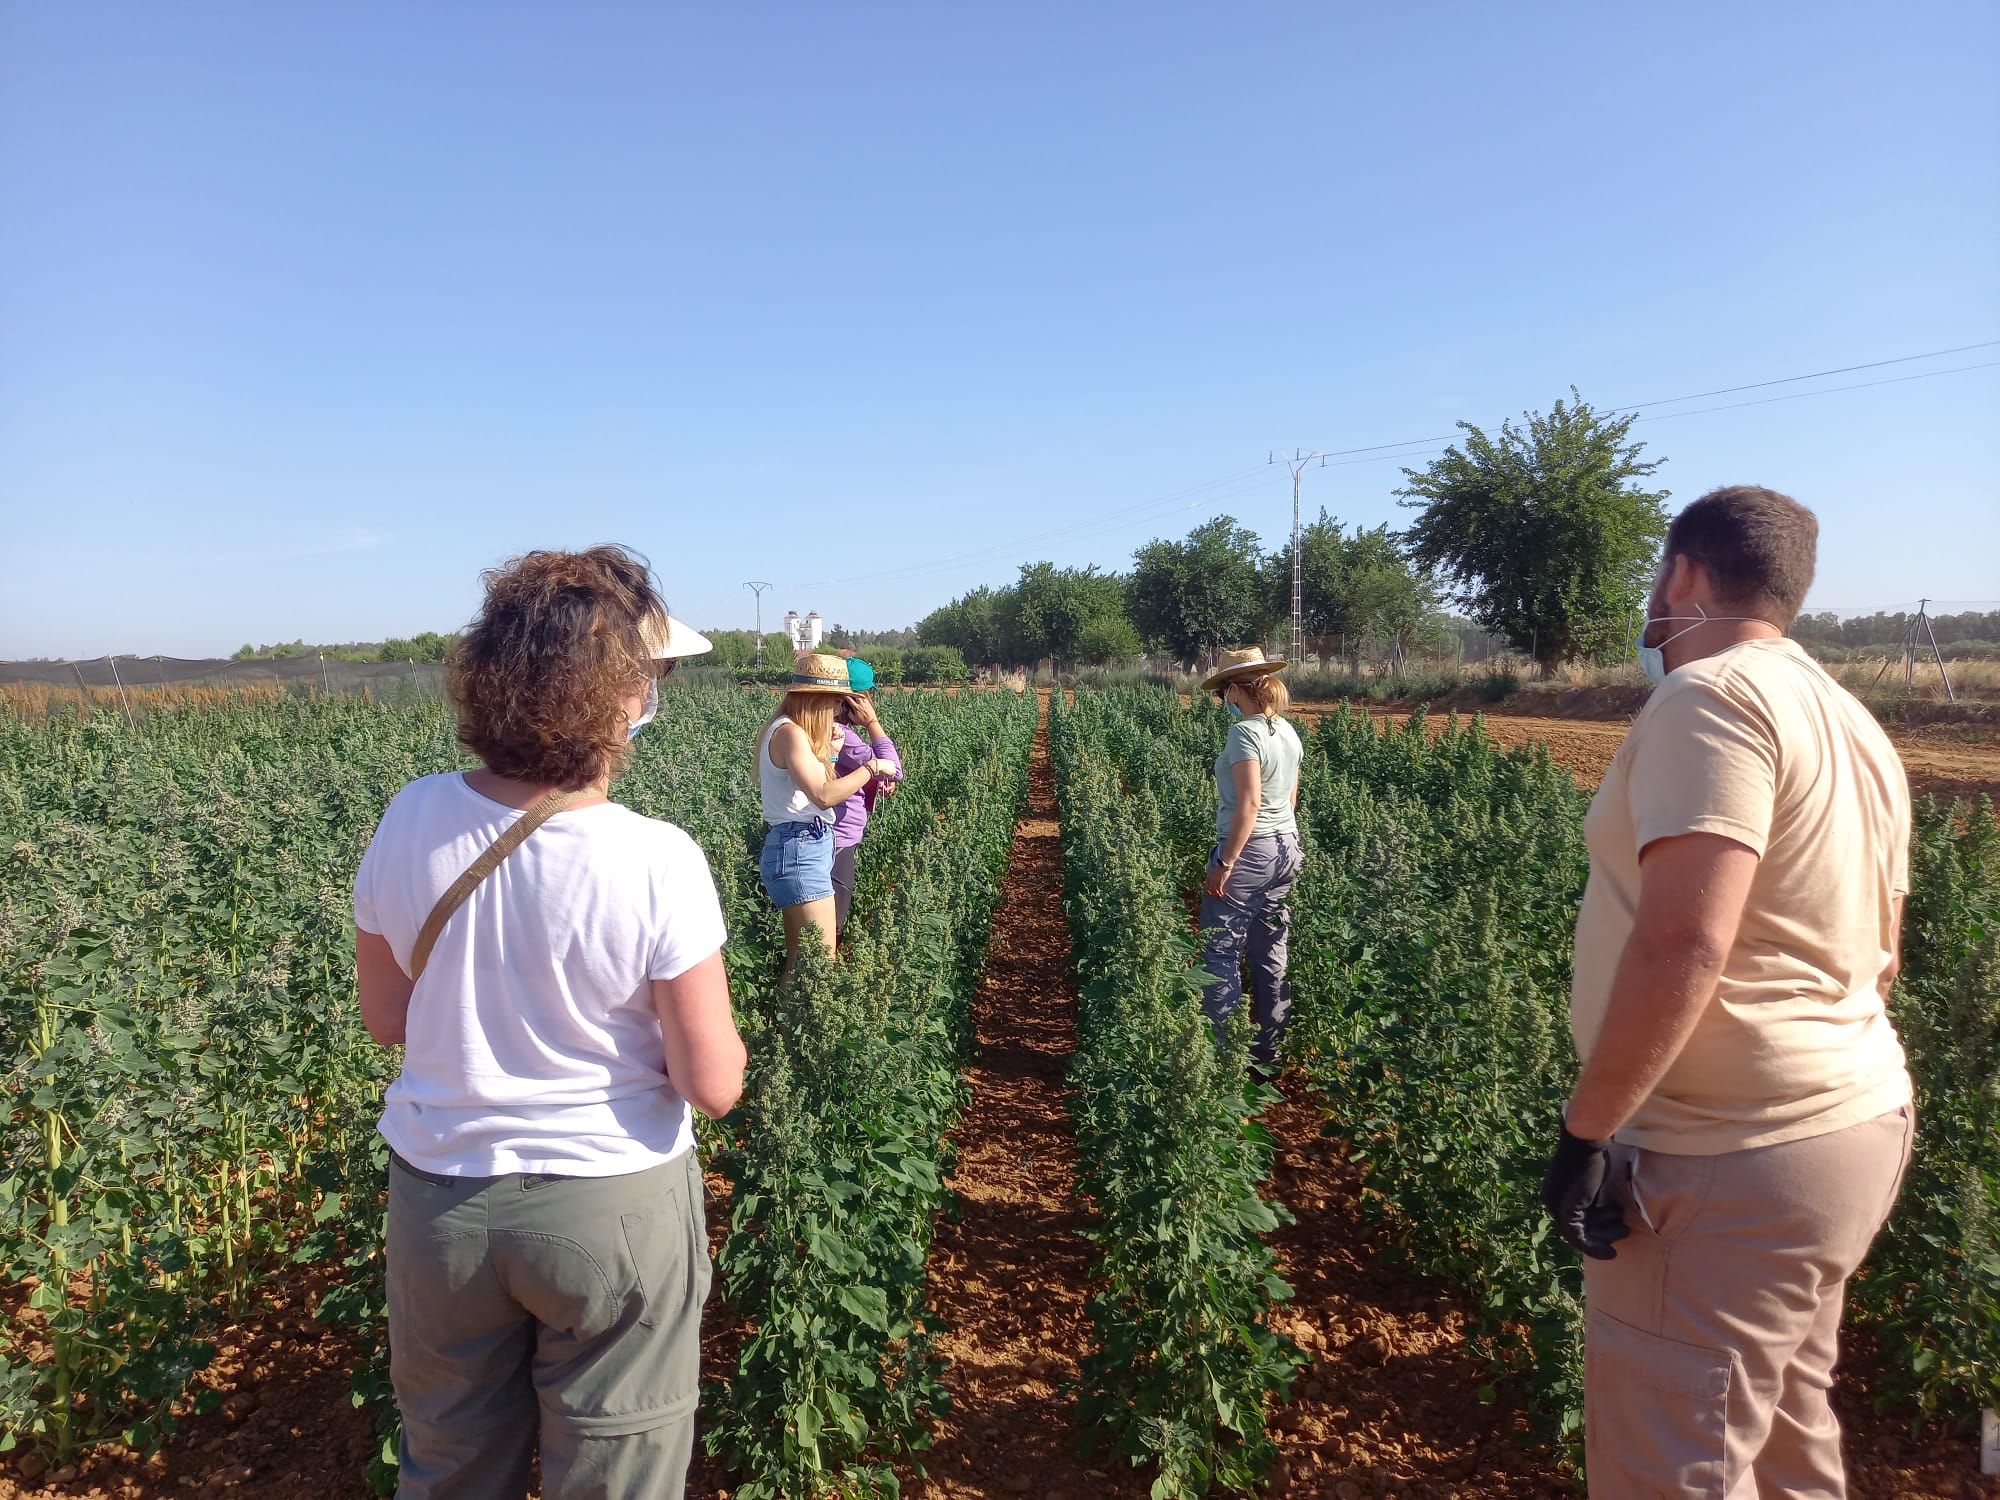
point(1860, 385)
point(1757, 385)
point(1335, 458)
point(1901, 359)
point(1662, 416)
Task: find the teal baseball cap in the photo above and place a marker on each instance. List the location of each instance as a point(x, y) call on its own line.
point(860, 676)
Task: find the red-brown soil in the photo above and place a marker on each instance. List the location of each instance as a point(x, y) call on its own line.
point(1009, 1277)
point(1944, 760)
point(1391, 1403)
point(1389, 1407)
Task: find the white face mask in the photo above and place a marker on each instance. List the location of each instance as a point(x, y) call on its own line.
point(646, 714)
point(1653, 659)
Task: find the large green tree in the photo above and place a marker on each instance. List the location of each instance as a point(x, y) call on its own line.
point(970, 623)
point(1359, 594)
point(1049, 609)
point(1544, 531)
point(1204, 592)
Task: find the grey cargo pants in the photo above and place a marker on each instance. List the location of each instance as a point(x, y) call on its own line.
point(564, 1308)
point(1252, 915)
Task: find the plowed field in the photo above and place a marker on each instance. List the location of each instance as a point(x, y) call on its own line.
point(1944, 760)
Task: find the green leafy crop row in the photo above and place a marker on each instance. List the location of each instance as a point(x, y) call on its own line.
point(1185, 1358)
point(837, 1156)
point(192, 1096)
point(1433, 926)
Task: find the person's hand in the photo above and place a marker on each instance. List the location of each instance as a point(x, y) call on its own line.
point(1580, 1191)
point(1217, 884)
point(886, 769)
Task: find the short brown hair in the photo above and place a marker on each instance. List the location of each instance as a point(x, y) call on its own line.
point(1759, 548)
point(539, 679)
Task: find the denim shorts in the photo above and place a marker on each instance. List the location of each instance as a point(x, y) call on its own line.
point(797, 862)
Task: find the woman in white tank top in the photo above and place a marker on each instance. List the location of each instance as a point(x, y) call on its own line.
point(795, 779)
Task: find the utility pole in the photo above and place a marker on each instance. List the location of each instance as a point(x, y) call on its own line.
point(758, 590)
point(1297, 464)
point(1923, 622)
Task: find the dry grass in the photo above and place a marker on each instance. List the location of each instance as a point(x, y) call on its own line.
point(1969, 679)
point(39, 699)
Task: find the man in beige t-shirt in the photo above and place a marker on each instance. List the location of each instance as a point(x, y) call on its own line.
point(1742, 1123)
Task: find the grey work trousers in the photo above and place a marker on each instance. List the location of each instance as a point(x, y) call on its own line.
point(1711, 1339)
point(1251, 916)
point(561, 1308)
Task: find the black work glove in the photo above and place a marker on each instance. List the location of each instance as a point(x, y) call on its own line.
point(1579, 1191)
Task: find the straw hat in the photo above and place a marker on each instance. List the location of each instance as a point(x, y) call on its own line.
point(1249, 661)
point(818, 672)
point(670, 640)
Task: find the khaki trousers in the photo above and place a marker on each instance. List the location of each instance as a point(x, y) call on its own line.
point(559, 1311)
point(1711, 1339)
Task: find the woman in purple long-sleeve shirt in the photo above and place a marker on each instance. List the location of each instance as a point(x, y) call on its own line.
point(862, 739)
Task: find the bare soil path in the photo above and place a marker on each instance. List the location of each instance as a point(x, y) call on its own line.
point(1009, 1277)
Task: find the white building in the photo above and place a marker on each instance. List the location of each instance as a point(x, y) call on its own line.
point(803, 633)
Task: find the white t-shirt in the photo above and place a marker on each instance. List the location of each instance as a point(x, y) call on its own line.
point(532, 1043)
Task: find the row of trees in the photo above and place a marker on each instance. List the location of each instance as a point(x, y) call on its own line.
point(894, 662)
point(425, 645)
point(1184, 599)
point(1544, 534)
point(1970, 634)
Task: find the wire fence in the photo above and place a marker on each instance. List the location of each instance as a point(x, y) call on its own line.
point(131, 683)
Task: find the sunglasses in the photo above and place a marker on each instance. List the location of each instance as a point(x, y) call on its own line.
point(664, 666)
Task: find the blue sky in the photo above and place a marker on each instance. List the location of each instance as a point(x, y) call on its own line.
point(308, 313)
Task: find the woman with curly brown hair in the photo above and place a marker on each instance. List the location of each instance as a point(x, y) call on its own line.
point(551, 964)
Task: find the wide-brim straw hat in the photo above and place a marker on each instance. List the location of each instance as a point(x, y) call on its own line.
point(1236, 665)
point(668, 639)
point(819, 672)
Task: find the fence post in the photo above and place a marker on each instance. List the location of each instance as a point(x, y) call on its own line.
point(121, 692)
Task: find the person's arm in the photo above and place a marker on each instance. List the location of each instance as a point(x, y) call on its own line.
point(1888, 980)
point(1248, 777)
point(383, 988)
point(879, 741)
point(705, 1052)
point(791, 750)
point(1691, 894)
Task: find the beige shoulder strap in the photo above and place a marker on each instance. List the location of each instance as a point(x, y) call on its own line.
point(479, 869)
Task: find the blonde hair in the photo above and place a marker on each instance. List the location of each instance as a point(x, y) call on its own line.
point(812, 712)
point(1269, 693)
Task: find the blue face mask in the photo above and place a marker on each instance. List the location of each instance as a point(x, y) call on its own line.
point(1234, 711)
point(646, 714)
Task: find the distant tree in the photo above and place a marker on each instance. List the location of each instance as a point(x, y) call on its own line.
point(1108, 641)
point(1359, 594)
point(1202, 593)
point(867, 640)
point(889, 664)
point(1323, 597)
point(970, 623)
point(1049, 608)
point(731, 650)
point(427, 645)
point(777, 652)
point(1544, 532)
point(934, 664)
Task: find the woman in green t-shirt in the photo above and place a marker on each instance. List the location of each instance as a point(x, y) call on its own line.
point(1244, 904)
